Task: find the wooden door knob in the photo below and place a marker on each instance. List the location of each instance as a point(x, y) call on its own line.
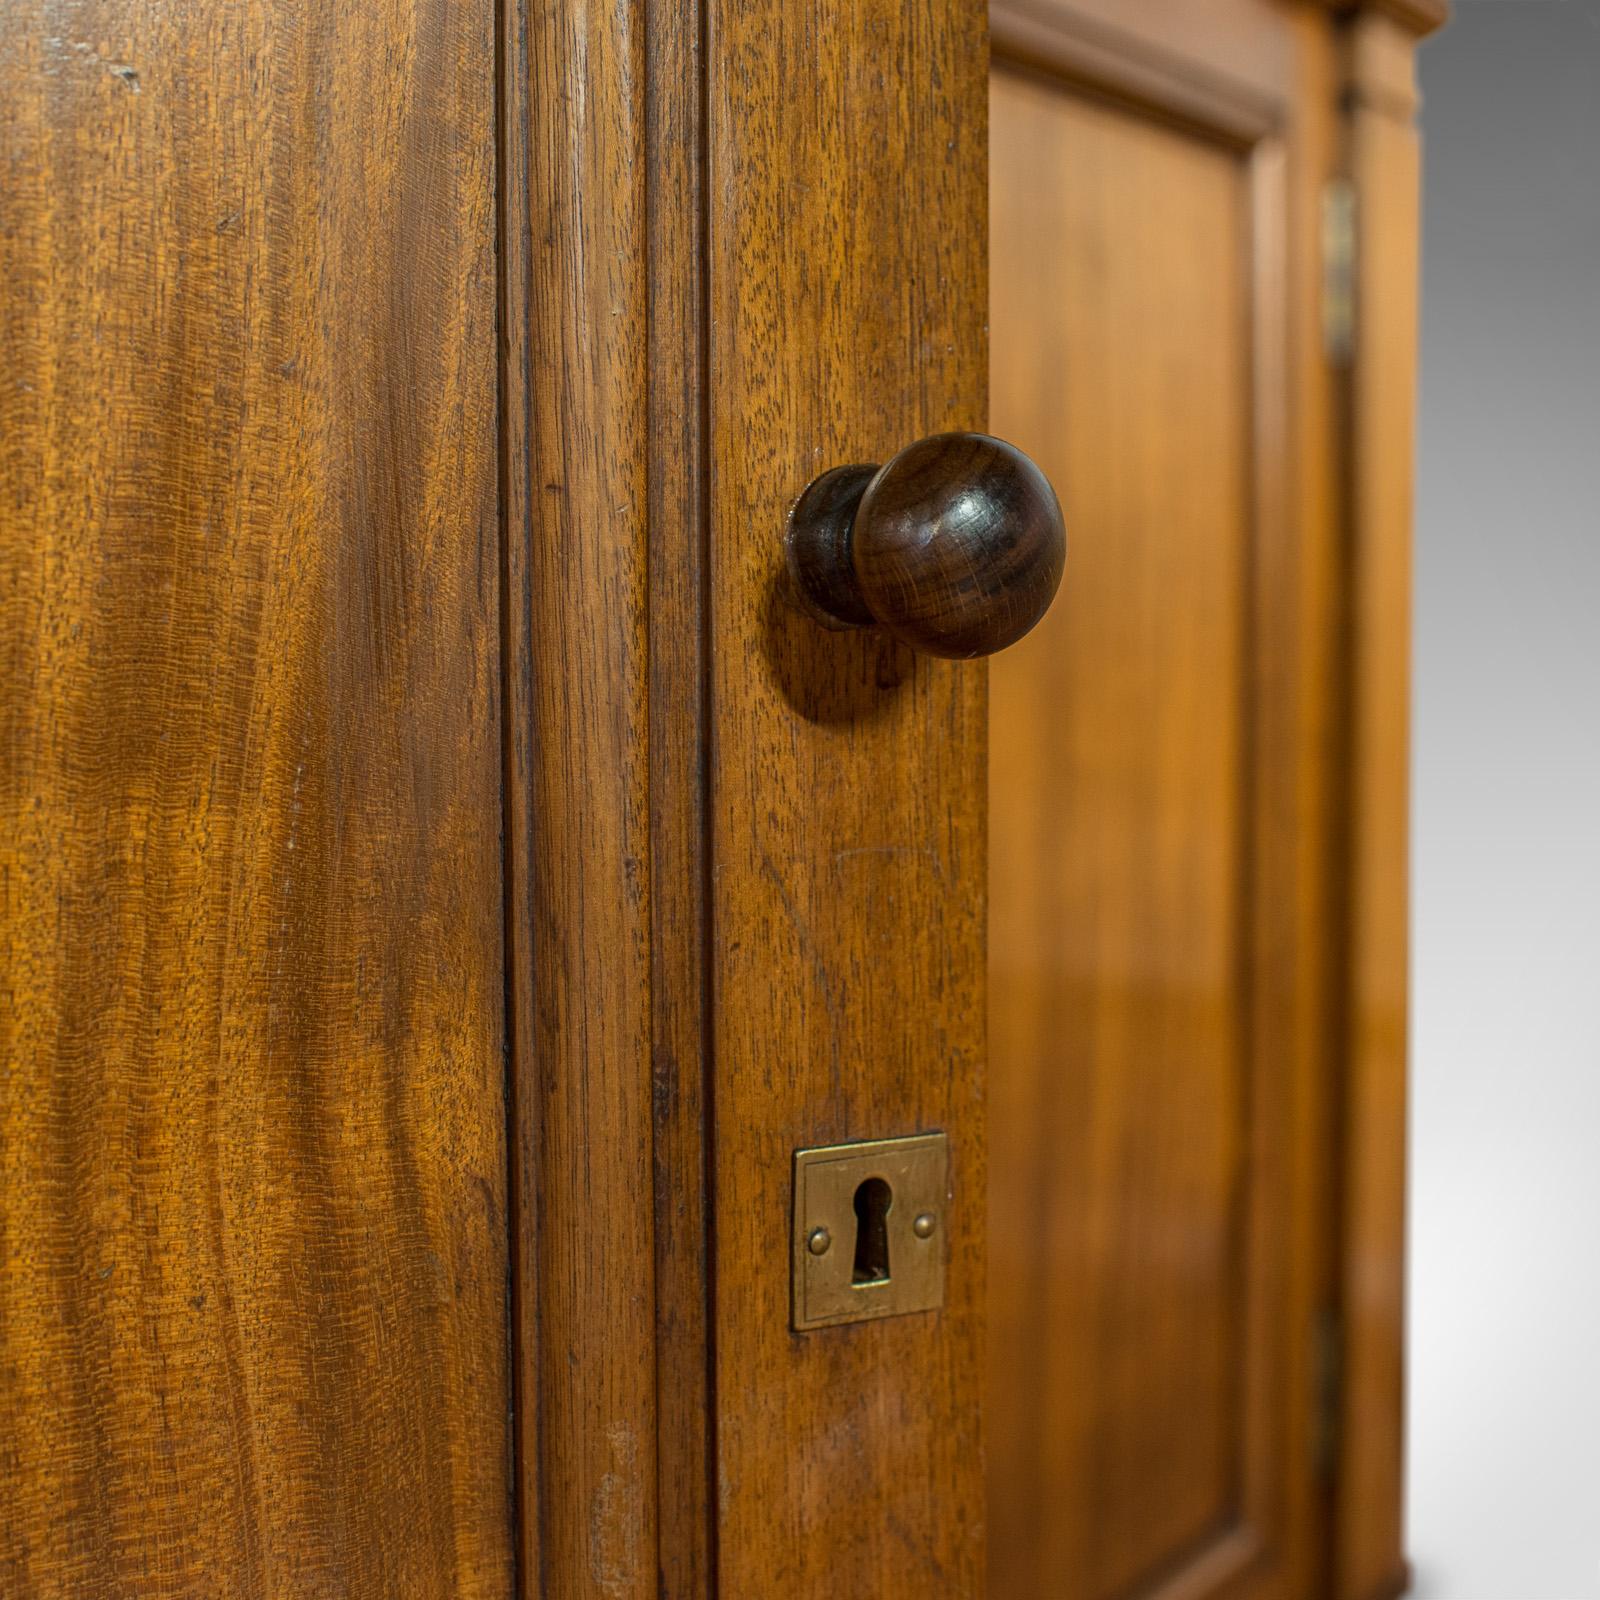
point(954, 546)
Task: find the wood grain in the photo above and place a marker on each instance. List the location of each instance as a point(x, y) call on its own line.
point(1119, 867)
point(679, 740)
point(586, 1298)
point(517, 650)
point(1160, 790)
point(252, 1171)
point(845, 149)
point(953, 546)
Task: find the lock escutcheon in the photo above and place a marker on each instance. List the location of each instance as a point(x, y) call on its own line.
point(866, 1229)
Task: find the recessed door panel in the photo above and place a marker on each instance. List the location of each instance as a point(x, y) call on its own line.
point(1147, 1327)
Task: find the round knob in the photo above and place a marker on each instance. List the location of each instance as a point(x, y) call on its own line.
point(954, 546)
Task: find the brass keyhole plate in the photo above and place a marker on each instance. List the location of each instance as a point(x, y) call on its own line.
point(828, 1287)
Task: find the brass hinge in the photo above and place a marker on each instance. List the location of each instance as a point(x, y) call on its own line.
point(1339, 270)
point(1327, 1401)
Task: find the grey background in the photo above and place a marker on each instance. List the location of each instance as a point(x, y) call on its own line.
point(1504, 1462)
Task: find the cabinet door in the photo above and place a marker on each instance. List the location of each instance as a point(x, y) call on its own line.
point(1202, 228)
point(756, 875)
point(1160, 1082)
point(253, 1337)
point(845, 286)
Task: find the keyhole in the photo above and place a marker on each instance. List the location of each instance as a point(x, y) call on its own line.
point(873, 1200)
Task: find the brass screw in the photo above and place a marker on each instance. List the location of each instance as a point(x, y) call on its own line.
point(924, 1225)
point(818, 1240)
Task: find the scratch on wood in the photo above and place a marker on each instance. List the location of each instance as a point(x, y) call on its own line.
point(613, 1528)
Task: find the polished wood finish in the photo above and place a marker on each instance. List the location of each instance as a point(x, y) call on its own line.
point(1414, 17)
point(846, 298)
point(1198, 805)
point(1117, 53)
point(679, 847)
point(1162, 1083)
point(954, 546)
point(609, 1081)
point(334, 837)
point(762, 918)
point(1381, 161)
point(253, 1209)
point(583, 1089)
point(517, 766)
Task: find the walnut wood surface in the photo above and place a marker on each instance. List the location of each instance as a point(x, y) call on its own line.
point(953, 546)
point(585, 1295)
point(254, 1210)
point(252, 1164)
point(845, 185)
point(1161, 798)
point(679, 740)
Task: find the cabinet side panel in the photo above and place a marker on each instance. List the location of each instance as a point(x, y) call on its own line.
point(252, 1159)
point(1384, 170)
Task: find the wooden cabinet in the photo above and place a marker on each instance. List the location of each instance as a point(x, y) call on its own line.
point(444, 879)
